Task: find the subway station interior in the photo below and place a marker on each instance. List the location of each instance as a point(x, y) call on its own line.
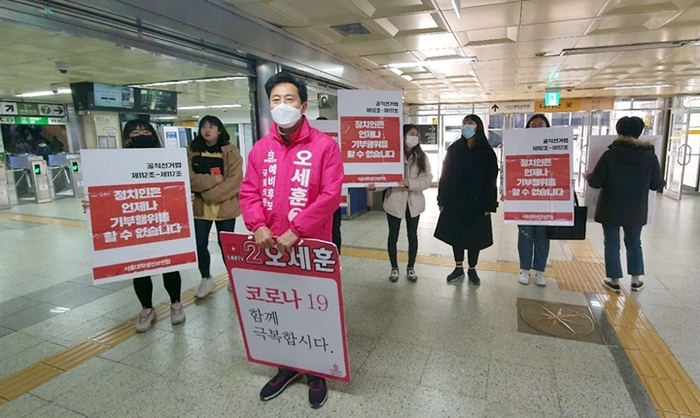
point(572, 348)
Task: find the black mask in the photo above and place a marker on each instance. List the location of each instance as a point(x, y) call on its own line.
point(142, 141)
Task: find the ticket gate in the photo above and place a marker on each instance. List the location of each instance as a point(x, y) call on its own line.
point(66, 175)
point(30, 176)
point(4, 190)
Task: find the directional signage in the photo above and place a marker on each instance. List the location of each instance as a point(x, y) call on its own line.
point(28, 120)
point(512, 107)
point(576, 105)
point(31, 109)
point(551, 98)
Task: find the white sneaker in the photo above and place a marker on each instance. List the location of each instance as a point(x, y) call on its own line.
point(394, 276)
point(205, 288)
point(540, 279)
point(147, 318)
point(524, 277)
point(177, 313)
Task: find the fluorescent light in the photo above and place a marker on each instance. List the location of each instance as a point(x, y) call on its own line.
point(166, 118)
point(431, 62)
point(199, 80)
point(44, 93)
point(646, 86)
point(623, 48)
point(209, 107)
point(457, 5)
point(407, 77)
point(396, 71)
point(191, 108)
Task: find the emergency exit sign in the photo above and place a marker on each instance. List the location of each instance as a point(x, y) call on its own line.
point(551, 98)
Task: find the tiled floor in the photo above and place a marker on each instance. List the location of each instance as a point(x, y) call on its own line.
point(416, 350)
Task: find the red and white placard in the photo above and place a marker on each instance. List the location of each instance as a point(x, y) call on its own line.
point(140, 215)
point(538, 174)
point(330, 128)
point(290, 307)
point(371, 124)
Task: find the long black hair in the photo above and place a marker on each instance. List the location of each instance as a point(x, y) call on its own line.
point(480, 133)
point(417, 151)
point(135, 124)
point(198, 144)
point(537, 116)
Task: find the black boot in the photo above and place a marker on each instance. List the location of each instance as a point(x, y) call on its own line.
point(473, 277)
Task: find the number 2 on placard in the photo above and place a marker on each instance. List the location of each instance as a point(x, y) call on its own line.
point(321, 302)
point(253, 251)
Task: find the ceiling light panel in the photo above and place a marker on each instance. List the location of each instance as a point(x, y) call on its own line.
point(484, 17)
point(544, 11)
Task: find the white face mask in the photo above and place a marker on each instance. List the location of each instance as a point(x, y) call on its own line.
point(285, 116)
point(411, 141)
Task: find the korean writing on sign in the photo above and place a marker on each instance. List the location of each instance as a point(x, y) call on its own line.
point(538, 178)
point(384, 107)
point(298, 193)
point(290, 339)
point(159, 170)
point(368, 139)
point(301, 257)
point(553, 144)
point(269, 175)
point(137, 214)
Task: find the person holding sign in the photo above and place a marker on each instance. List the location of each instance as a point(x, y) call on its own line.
point(216, 171)
point(290, 191)
point(625, 173)
point(533, 244)
point(407, 201)
point(141, 134)
point(467, 195)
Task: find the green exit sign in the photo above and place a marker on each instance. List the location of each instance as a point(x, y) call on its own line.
point(551, 98)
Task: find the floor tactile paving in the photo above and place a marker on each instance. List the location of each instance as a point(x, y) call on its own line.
point(579, 277)
point(658, 365)
point(27, 379)
point(116, 335)
point(73, 356)
point(585, 252)
point(673, 397)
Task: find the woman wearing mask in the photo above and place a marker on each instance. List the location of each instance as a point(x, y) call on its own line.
point(215, 174)
point(467, 195)
point(407, 201)
point(141, 134)
point(533, 244)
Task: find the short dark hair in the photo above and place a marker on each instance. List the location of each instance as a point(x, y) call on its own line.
point(537, 116)
point(135, 124)
point(285, 77)
point(630, 126)
point(198, 144)
point(321, 118)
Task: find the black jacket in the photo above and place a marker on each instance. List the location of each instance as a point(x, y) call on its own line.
point(467, 190)
point(625, 173)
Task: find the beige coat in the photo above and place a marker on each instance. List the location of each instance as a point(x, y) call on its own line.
point(397, 198)
point(205, 188)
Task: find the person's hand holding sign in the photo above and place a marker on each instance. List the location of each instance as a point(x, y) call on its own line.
point(263, 237)
point(404, 183)
point(286, 241)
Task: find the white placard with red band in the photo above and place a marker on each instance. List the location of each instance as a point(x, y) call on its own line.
point(371, 124)
point(290, 307)
point(330, 128)
point(140, 217)
point(597, 145)
point(538, 173)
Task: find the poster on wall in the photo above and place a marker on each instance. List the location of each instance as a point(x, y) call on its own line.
point(140, 215)
point(597, 145)
point(107, 130)
point(289, 306)
point(538, 176)
point(371, 136)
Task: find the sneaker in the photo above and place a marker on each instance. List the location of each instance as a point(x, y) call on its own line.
point(457, 274)
point(147, 318)
point(411, 275)
point(177, 313)
point(318, 392)
point(394, 276)
point(278, 384)
point(205, 288)
point(474, 277)
point(636, 287)
point(524, 277)
point(612, 286)
point(540, 279)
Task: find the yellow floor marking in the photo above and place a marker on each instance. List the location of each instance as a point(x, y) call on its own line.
point(585, 252)
point(42, 220)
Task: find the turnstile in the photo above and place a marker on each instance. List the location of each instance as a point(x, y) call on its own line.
point(66, 175)
point(4, 190)
point(30, 176)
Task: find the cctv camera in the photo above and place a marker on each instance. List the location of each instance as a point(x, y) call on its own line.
point(63, 70)
point(62, 67)
point(54, 91)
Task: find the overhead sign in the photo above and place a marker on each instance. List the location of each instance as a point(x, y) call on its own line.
point(428, 134)
point(551, 98)
point(140, 221)
point(576, 105)
point(512, 107)
point(31, 109)
point(289, 306)
point(24, 120)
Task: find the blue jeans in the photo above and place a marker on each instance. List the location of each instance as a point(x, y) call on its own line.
point(533, 247)
point(201, 233)
point(633, 246)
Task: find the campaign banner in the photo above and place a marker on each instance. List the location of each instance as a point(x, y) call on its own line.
point(371, 124)
point(140, 214)
point(538, 176)
point(290, 307)
point(597, 145)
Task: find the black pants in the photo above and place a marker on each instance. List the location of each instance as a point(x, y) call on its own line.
point(336, 229)
point(472, 254)
point(411, 230)
point(143, 286)
point(201, 232)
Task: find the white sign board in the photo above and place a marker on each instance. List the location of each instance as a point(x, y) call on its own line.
point(512, 107)
point(597, 145)
point(290, 307)
point(140, 216)
point(538, 176)
point(371, 124)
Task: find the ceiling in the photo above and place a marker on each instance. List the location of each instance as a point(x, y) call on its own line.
point(517, 44)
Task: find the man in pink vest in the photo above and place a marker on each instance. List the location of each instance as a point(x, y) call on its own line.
point(290, 191)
